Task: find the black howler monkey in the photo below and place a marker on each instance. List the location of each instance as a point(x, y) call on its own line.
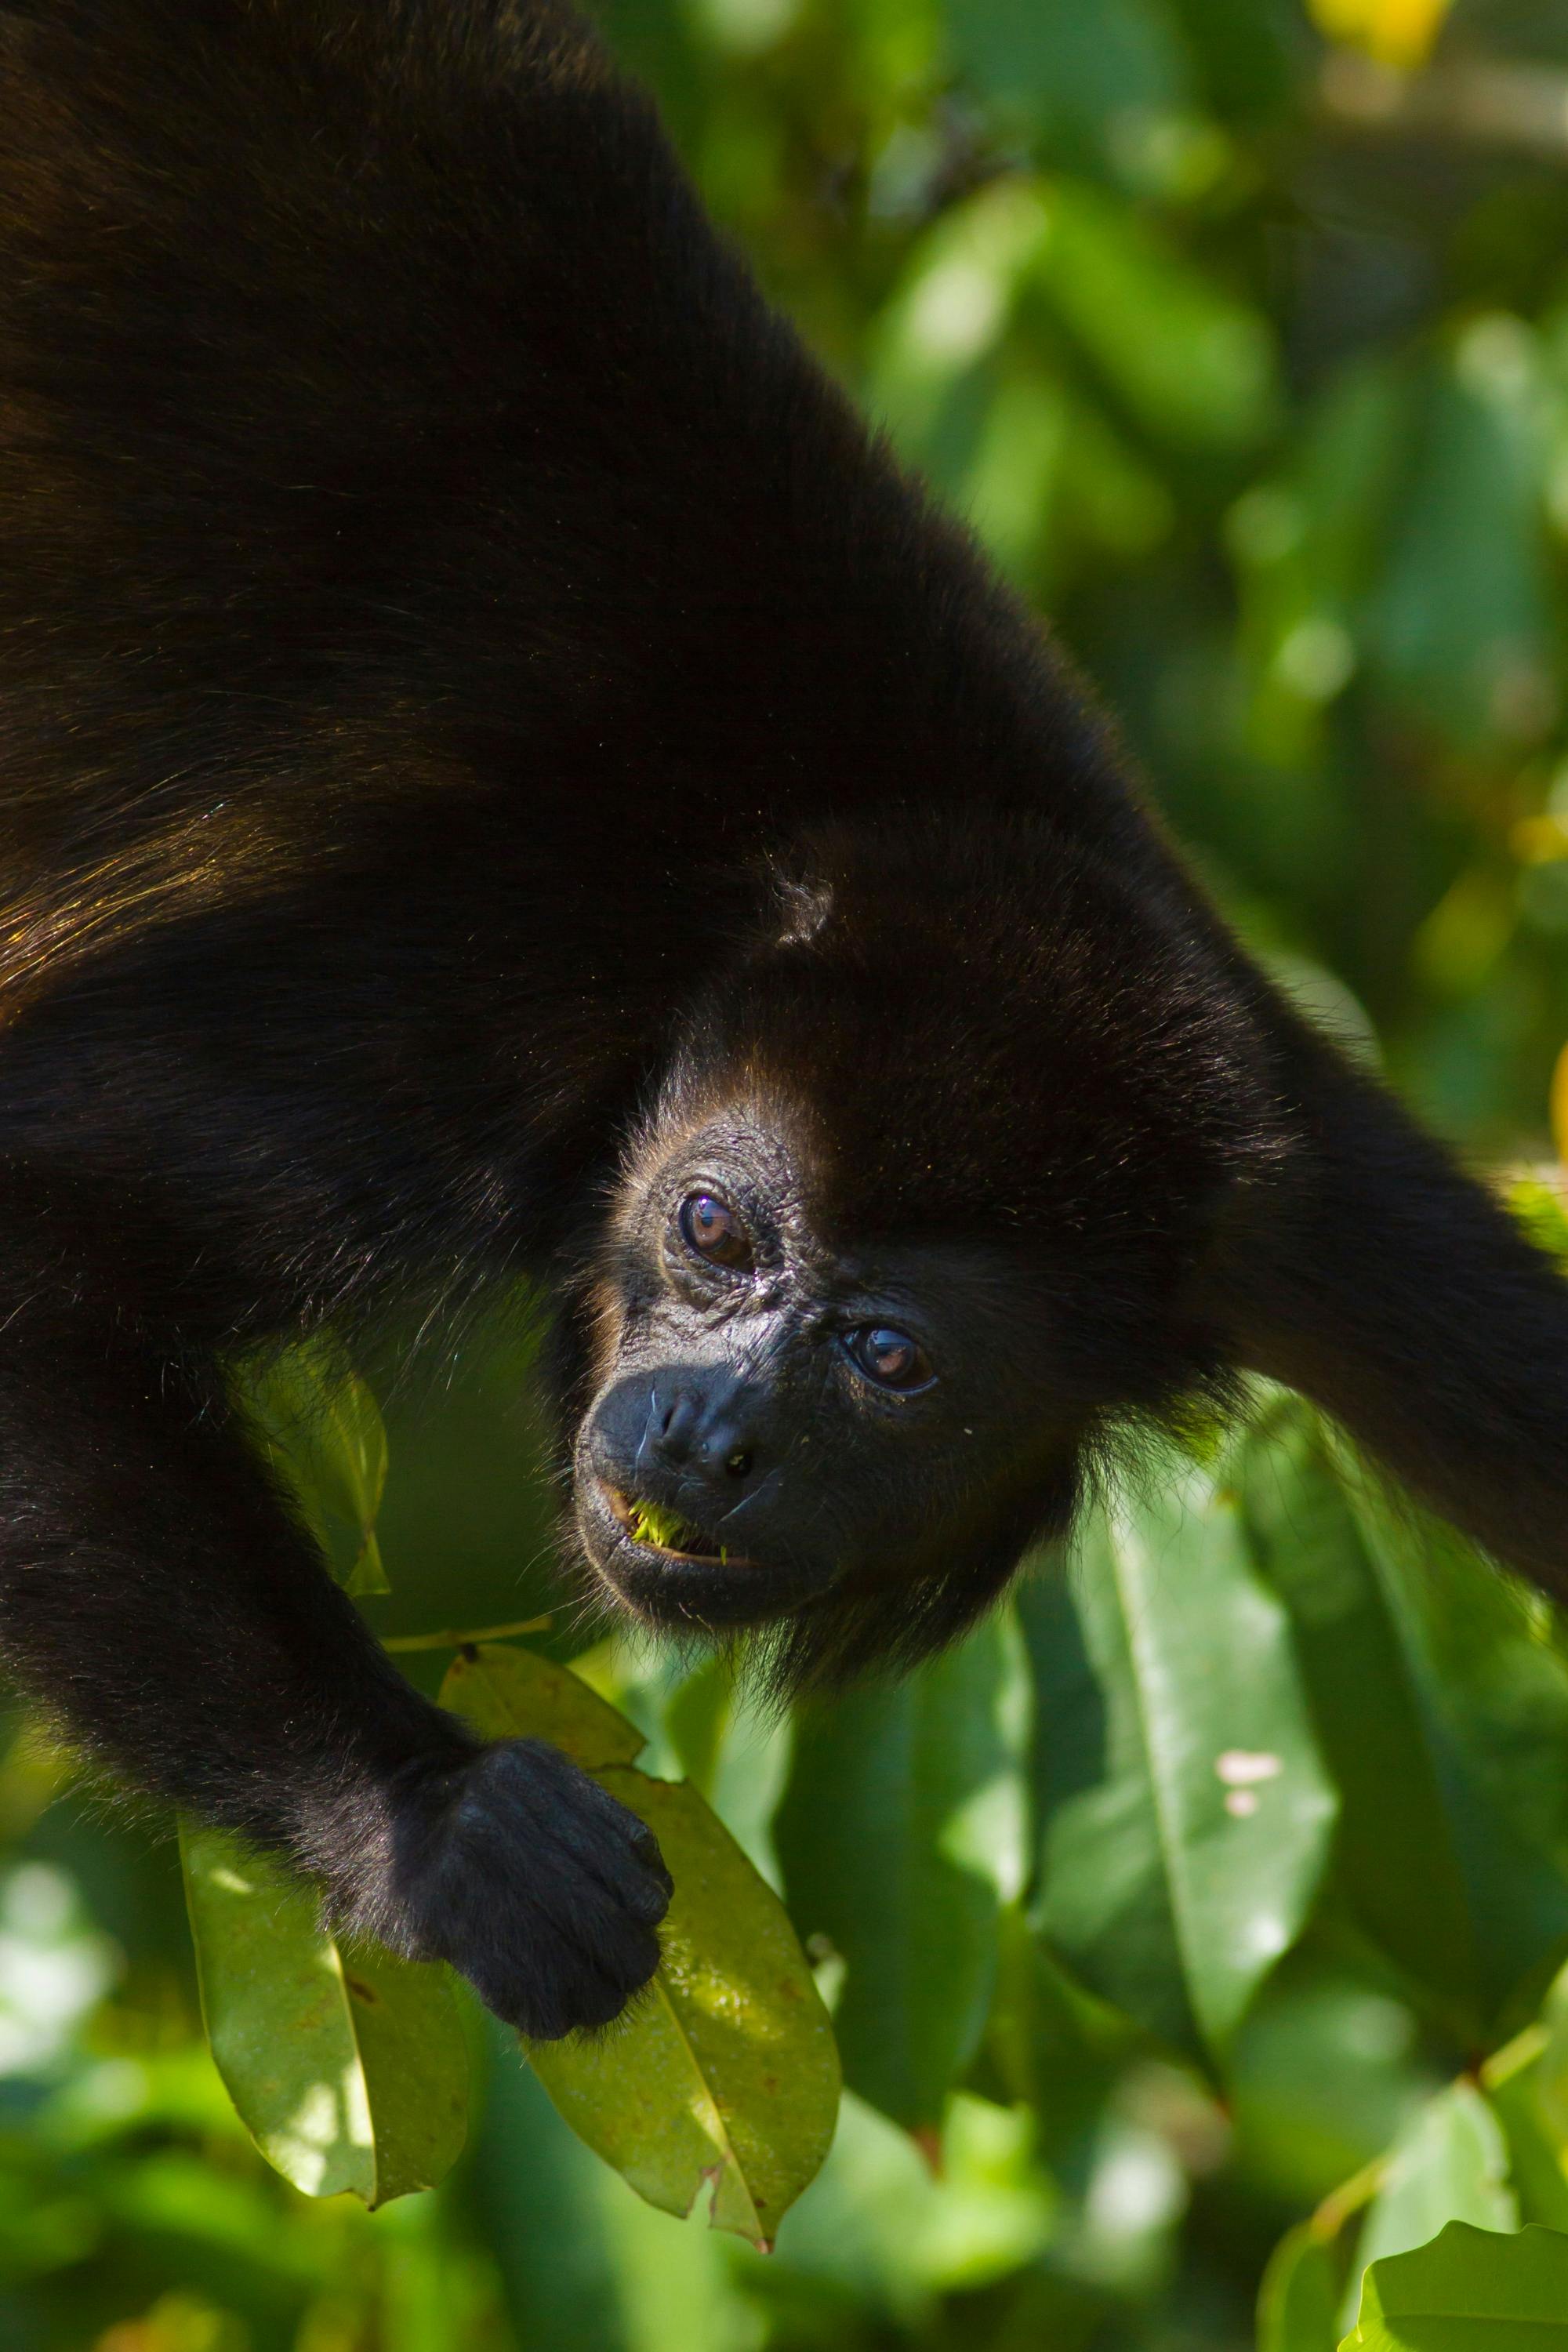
point(484, 732)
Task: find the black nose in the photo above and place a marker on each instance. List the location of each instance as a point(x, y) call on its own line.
point(706, 1428)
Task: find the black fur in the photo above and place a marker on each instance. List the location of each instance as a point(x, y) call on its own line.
point(482, 726)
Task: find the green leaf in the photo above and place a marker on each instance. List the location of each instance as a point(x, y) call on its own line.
point(950, 310)
point(1066, 66)
point(1469, 2290)
point(511, 1693)
point(1398, 1861)
point(1185, 1816)
point(1485, 1657)
point(1191, 365)
point(1307, 547)
point(1056, 2049)
point(1300, 2297)
point(1536, 2153)
point(321, 1428)
point(1461, 626)
point(725, 2072)
point(347, 2067)
point(1449, 2164)
point(900, 1836)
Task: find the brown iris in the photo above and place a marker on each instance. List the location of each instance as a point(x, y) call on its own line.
point(889, 1356)
point(710, 1226)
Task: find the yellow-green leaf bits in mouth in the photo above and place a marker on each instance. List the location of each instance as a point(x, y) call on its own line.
point(665, 1530)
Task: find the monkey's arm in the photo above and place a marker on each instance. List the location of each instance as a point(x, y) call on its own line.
point(1376, 1278)
point(153, 1590)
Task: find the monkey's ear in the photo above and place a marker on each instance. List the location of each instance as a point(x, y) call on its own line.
point(1376, 1278)
point(804, 907)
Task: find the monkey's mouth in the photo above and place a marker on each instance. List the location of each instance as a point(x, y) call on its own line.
point(672, 1573)
point(655, 1528)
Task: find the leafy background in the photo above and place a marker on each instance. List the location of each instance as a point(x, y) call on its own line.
point(1202, 1914)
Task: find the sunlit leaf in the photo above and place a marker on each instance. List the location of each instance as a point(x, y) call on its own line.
point(1472, 2290)
point(1397, 1843)
point(951, 308)
point(1186, 1814)
point(724, 2075)
point(508, 1693)
point(1450, 2164)
point(347, 2067)
point(900, 1836)
point(1485, 1655)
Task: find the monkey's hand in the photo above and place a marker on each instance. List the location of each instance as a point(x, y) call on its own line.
point(520, 1871)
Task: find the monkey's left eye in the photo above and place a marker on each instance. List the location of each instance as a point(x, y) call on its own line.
point(888, 1358)
point(711, 1227)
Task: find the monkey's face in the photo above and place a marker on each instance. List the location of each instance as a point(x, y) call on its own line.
point(916, 1220)
point(786, 1427)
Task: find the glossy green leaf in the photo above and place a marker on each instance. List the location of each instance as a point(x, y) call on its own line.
point(725, 2074)
point(1469, 2290)
point(323, 1428)
point(1485, 1657)
point(347, 2067)
point(900, 1836)
point(508, 1693)
point(1450, 2164)
point(1186, 1814)
point(1398, 1850)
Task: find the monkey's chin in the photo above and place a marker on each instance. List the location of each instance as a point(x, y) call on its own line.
point(671, 1589)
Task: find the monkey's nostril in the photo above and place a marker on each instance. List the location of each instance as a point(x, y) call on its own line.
point(677, 1428)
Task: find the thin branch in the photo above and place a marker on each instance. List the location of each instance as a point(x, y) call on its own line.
point(450, 1640)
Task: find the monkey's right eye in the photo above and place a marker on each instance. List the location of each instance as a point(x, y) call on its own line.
point(711, 1230)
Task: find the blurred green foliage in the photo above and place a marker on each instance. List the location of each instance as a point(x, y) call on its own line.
point(1240, 332)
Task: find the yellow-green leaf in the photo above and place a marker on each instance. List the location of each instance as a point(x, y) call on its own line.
point(725, 2072)
point(347, 2067)
point(511, 1693)
point(1468, 2291)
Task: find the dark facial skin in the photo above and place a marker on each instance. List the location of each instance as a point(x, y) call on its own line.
point(807, 1419)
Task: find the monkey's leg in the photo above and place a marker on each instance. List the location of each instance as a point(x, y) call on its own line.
point(154, 1591)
